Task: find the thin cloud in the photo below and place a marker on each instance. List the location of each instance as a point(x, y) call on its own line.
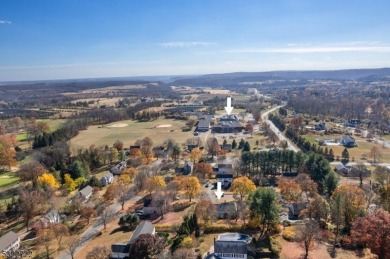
point(5, 22)
point(185, 44)
point(304, 50)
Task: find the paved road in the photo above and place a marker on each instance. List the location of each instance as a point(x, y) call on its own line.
point(276, 130)
point(96, 227)
point(365, 163)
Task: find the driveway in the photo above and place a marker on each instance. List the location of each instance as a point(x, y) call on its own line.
point(96, 227)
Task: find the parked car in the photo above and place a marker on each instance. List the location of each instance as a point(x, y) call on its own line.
point(139, 212)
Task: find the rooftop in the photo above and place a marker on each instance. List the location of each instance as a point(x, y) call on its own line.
point(234, 237)
point(87, 190)
point(7, 239)
point(144, 227)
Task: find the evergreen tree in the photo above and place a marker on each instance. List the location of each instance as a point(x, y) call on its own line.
point(241, 144)
point(345, 155)
point(246, 147)
point(234, 144)
point(331, 155)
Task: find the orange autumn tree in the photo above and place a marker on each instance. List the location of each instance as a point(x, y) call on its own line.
point(373, 231)
point(7, 151)
point(290, 190)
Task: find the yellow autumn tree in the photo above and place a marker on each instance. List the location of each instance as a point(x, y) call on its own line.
point(190, 185)
point(196, 155)
point(242, 187)
point(154, 183)
point(124, 179)
point(48, 180)
point(130, 172)
point(353, 202)
point(69, 184)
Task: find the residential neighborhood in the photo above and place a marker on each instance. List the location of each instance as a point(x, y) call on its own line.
point(194, 129)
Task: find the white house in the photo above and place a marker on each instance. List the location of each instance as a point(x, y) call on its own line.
point(51, 218)
point(107, 179)
point(9, 242)
point(85, 193)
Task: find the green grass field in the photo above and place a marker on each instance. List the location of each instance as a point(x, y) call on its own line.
point(129, 131)
point(21, 137)
point(7, 179)
point(54, 124)
point(363, 148)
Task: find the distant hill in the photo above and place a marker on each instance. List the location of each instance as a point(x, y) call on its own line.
point(237, 77)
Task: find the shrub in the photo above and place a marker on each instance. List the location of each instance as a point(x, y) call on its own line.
point(254, 222)
point(327, 235)
point(187, 242)
point(216, 228)
point(277, 229)
point(181, 205)
point(275, 245)
point(289, 233)
point(165, 228)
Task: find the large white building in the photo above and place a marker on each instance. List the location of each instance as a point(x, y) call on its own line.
point(252, 91)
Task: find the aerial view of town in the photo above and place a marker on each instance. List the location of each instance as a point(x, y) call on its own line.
point(194, 129)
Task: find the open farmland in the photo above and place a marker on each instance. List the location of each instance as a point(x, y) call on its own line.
point(97, 102)
point(363, 148)
point(129, 131)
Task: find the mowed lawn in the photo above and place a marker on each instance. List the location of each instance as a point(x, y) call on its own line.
point(7, 179)
point(159, 130)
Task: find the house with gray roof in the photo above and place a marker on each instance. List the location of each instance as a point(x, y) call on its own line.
point(341, 169)
point(85, 193)
point(121, 250)
point(118, 169)
point(348, 141)
point(227, 210)
point(145, 227)
point(51, 218)
point(9, 242)
point(231, 245)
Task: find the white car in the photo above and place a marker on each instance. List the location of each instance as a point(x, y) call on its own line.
point(139, 212)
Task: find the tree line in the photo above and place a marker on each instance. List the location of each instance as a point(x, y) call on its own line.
point(273, 163)
point(277, 121)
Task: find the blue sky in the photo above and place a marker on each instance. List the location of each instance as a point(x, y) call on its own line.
point(46, 39)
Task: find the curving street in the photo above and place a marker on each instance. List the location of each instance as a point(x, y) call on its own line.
point(264, 116)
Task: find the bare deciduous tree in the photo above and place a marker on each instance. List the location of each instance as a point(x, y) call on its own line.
point(307, 234)
point(99, 252)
